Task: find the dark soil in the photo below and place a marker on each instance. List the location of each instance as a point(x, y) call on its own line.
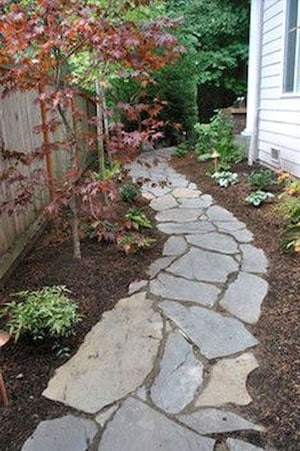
point(97, 282)
point(275, 385)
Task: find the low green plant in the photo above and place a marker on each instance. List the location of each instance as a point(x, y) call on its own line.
point(131, 243)
point(258, 197)
point(181, 150)
point(225, 178)
point(217, 136)
point(129, 192)
point(260, 180)
point(138, 218)
point(44, 313)
point(292, 238)
point(289, 207)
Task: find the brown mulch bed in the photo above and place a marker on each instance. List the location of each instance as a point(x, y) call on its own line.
point(97, 282)
point(275, 385)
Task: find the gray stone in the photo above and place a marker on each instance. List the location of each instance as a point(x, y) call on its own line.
point(148, 196)
point(114, 359)
point(137, 285)
point(242, 236)
point(179, 377)
point(178, 215)
point(229, 226)
point(215, 335)
point(186, 193)
point(215, 241)
point(227, 384)
point(204, 266)
point(159, 190)
point(175, 245)
point(137, 427)
point(173, 228)
point(215, 421)
point(216, 213)
point(254, 260)
point(240, 445)
point(192, 186)
point(201, 202)
point(142, 393)
point(106, 415)
point(244, 297)
point(159, 265)
point(177, 288)
point(163, 203)
point(67, 433)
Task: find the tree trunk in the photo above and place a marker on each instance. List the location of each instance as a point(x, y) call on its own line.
point(75, 227)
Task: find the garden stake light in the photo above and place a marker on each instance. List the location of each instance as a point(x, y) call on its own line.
point(4, 401)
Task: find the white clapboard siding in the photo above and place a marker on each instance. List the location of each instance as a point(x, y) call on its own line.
point(279, 115)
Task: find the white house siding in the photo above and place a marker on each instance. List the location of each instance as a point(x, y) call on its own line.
point(279, 115)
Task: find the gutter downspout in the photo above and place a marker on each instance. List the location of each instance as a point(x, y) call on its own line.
point(254, 78)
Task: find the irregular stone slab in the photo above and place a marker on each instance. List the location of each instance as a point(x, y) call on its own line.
point(186, 193)
point(172, 228)
point(178, 215)
point(137, 285)
point(204, 266)
point(175, 245)
point(192, 186)
point(67, 433)
point(179, 377)
point(159, 265)
point(242, 236)
point(114, 359)
point(230, 226)
point(201, 202)
point(244, 297)
point(137, 427)
point(170, 287)
point(215, 241)
point(158, 190)
point(240, 445)
point(142, 393)
point(216, 213)
point(215, 421)
point(215, 335)
point(105, 415)
point(163, 203)
point(254, 260)
point(148, 196)
point(227, 383)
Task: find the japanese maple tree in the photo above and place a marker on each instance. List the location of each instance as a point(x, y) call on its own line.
point(39, 40)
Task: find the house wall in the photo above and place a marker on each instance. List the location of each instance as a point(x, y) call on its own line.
point(279, 114)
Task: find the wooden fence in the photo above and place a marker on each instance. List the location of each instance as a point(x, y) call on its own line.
point(19, 114)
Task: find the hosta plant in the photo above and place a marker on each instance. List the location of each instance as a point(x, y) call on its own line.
point(137, 219)
point(225, 178)
point(258, 197)
point(44, 313)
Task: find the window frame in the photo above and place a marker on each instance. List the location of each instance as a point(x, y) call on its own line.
point(294, 92)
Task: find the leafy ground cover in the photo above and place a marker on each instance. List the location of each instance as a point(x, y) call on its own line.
point(97, 282)
point(275, 384)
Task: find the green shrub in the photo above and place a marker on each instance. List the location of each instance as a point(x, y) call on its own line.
point(181, 150)
point(260, 180)
point(44, 313)
point(131, 243)
point(217, 136)
point(289, 206)
point(129, 192)
point(292, 238)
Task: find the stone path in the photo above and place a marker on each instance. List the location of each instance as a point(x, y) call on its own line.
point(167, 366)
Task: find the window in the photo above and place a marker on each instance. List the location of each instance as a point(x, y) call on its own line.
point(292, 54)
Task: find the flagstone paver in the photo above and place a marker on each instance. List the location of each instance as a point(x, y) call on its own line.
point(67, 433)
point(114, 359)
point(159, 369)
point(216, 421)
point(227, 383)
point(137, 427)
point(171, 287)
point(180, 376)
